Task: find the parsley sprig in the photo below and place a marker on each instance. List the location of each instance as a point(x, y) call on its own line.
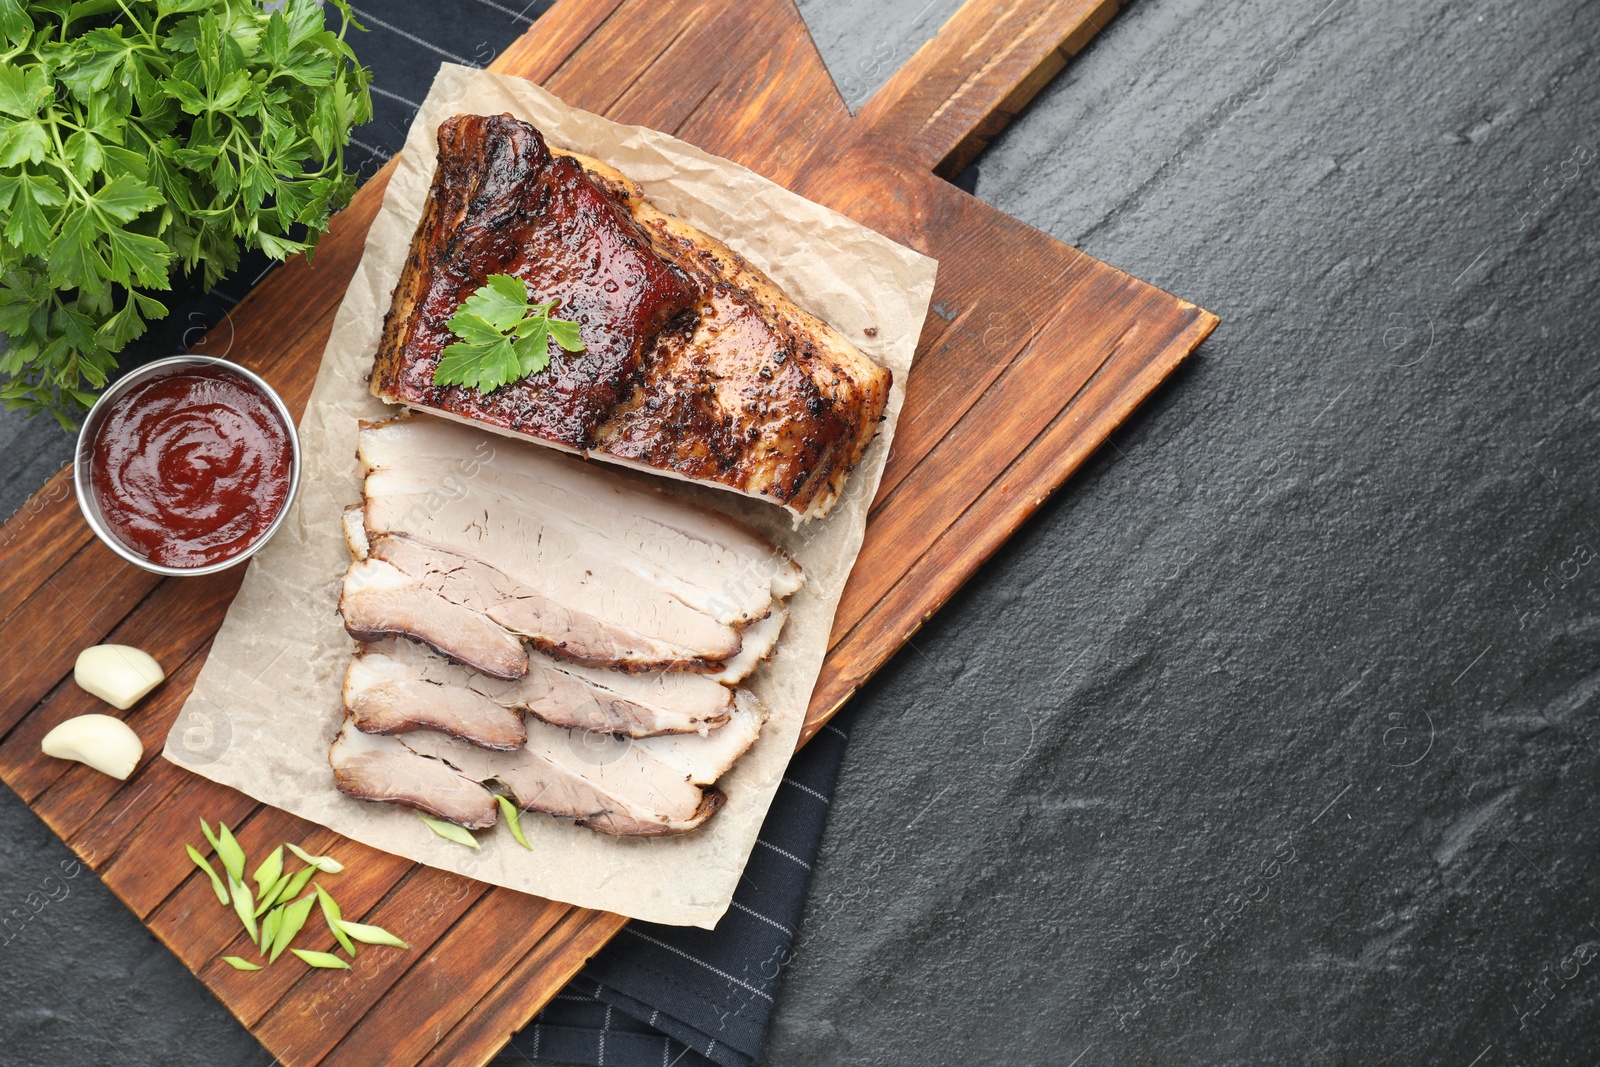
point(139, 137)
point(504, 337)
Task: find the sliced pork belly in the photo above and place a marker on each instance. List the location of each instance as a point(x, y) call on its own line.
point(355, 531)
point(381, 768)
point(423, 471)
point(383, 696)
point(437, 691)
point(702, 759)
point(609, 784)
point(666, 635)
point(379, 598)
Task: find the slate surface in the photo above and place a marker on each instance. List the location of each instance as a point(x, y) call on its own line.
point(1273, 738)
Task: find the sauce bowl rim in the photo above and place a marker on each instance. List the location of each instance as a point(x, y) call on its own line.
point(83, 456)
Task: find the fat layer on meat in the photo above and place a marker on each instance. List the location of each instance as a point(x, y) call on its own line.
point(380, 768)
point(379, 599)
point(438, 691)
point(607, 783)
point(383, 696)
point(436, 481)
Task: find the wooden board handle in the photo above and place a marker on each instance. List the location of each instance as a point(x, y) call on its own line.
point(964, 86)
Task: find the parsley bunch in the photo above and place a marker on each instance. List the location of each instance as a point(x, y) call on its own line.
point(141, 137)
point(504, 337)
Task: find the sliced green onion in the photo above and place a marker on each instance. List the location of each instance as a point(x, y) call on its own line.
point(216, 882)
point(297, 884)
point(244, 906)
point(334, 916)
point(211, 838)
point(513, 820)
point(450, 831)
point(271, 896)
point(269, 928)
point(321, 959)
point(229, 852)
point(372, 935)
point(294, 917)
point(240, 965)
point(326, 864)
point(270, 871)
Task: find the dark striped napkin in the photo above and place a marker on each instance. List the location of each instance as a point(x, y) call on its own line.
point(674, 996)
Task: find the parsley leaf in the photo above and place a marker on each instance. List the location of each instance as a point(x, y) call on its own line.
point(503, 337)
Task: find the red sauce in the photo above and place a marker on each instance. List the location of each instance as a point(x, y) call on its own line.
point(192, 468)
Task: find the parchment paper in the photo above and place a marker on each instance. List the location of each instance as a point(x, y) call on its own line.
point(266, 705)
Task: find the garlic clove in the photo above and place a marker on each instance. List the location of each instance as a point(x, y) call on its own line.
point(118, 674)
point(107, 744)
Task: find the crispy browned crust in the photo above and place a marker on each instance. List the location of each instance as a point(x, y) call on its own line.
point(744, 389)
point(502, 204)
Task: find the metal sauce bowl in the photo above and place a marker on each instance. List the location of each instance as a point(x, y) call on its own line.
point(161, 368)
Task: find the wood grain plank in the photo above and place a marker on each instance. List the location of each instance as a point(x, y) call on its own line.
point(452, 977)
point(527, 987)
point(38, 538)
point(71, 610)
point(984, 526)
point(176, 619)
point(1013, 308)
point(315, 1016)
point(975, 65)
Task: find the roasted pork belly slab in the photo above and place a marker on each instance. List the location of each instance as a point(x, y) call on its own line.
point(501, 204)
point(696, 365)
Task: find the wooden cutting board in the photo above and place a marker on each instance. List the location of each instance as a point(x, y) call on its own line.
point(1033, 354)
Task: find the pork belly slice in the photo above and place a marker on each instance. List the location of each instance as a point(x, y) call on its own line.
point(383, 696)
point(704, 758)
point(665, 635)
point(756, 643)
point(379, 599)
point(435, 690)
point(610, 784)
point(381, 768)
point(500, 203)
point(698, 366)
point(435, 481)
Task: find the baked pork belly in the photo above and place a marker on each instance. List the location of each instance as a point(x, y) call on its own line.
point(613, 785)
point(471, 551)
point(696, 365)
point(395, 685)
point(380, 768)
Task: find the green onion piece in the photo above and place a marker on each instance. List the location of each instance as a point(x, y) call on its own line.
point(326, 864)
point(297, 884)
point(216, 882)
point(331, 912)
point(372, 935)
point(450, 831)
point(244, 905)
point(240, 965)
point(513, 820)
point(321, 959)
point(273, 895)
point(229, 852)
point(270, 871)
point(211, 838)
point(294, 917)
point(269, 928)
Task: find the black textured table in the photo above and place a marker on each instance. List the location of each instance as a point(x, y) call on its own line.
point(1274, 738)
